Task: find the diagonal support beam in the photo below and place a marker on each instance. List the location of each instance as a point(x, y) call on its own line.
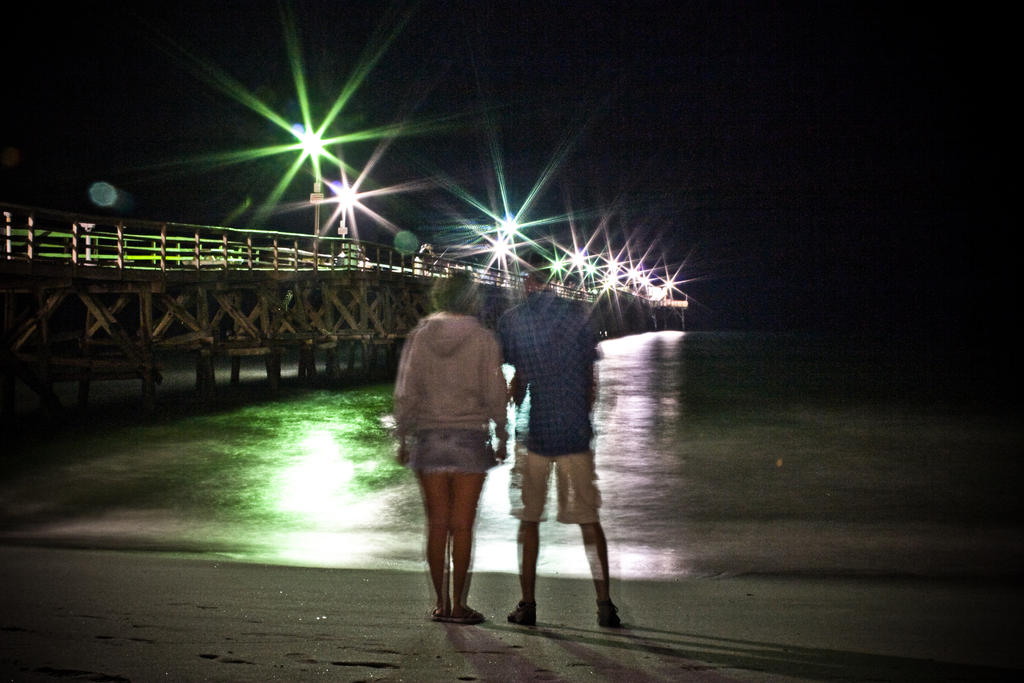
point(109, 323)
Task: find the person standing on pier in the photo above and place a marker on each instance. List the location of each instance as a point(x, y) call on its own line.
point(550, 343)
point(449, 387)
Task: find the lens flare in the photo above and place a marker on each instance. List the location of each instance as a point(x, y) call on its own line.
point(312, 139)
point(503, 230)
point(103, 194)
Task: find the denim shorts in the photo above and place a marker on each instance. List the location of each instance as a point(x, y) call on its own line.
point(451, 450)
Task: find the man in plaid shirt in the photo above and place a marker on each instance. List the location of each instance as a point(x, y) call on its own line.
point(550, 343)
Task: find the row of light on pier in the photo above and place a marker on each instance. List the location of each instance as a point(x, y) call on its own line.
point(575, 267)
point(507, 243)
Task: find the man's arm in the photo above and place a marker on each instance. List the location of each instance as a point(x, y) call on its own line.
point(592, 389)
point(517, 388)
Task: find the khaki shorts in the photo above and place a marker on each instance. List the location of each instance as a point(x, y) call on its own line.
point(578, 496)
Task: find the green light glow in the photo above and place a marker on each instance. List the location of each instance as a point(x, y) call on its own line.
point(312, 141)
point(311, 486)
point(312, 144)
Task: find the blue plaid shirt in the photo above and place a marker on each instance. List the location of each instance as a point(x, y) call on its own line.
point(553, 348)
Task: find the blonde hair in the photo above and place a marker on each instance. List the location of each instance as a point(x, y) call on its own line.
point(457, 293)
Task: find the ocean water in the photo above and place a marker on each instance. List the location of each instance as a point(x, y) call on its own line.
point(718, 454)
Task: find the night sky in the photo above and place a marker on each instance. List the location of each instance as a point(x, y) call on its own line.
point(827, 165)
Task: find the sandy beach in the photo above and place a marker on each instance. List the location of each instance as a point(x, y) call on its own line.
point(115, 616)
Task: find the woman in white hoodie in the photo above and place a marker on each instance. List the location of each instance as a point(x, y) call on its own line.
point(449, 389)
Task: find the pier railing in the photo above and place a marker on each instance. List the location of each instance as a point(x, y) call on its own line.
point(38, 236)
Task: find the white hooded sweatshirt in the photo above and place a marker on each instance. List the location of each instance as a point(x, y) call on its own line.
point(449, 376)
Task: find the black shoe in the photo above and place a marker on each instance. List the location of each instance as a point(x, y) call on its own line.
point(607, 614)
point(525, 614)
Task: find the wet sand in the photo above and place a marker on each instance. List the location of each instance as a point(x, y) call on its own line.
point(115, 616)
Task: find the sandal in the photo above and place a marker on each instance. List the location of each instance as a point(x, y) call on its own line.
point(469, 616)
point(608, 614)
point(525, 614)
point(437, 614)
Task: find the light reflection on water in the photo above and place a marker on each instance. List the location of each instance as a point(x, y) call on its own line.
point(717, 455)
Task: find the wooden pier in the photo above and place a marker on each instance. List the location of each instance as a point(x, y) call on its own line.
point(87, 299)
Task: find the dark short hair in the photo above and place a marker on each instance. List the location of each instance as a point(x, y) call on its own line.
point(536, 266)
point(535, 260)
point(457, 293)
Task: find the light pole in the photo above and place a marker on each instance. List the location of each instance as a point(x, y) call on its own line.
point(316, 198)
point(346, 196)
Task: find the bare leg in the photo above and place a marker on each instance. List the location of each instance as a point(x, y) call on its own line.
point(436, 496)
point(529, 548)
point(466, 489)
point(597, 555)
